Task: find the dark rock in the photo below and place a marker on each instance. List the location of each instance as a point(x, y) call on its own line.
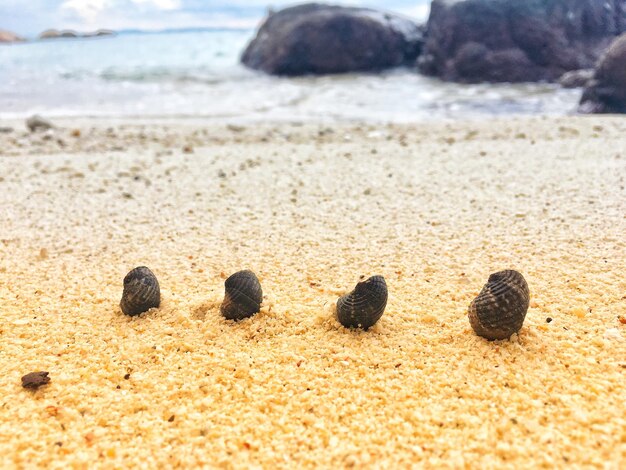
point(606, 92)
point(322, 39)
point(517, 41)
point(477, 63)
point(99, 33)
point(9, 37)
point(55, 34)
point(576, 78)
point(37, 123)
point(35, 380)
point(6, 130)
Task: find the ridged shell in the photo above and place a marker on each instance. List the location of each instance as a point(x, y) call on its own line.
point(243, 296)
point(500, 308)
point(364, 306)
point(141, 292)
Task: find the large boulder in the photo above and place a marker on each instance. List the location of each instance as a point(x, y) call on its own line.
point(576, 78)
point(517, 40)
point(606, 93)
point(8, 37)
point(323, 39)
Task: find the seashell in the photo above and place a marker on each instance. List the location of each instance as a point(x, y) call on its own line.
point(364, 306)
point(500, 308)
point(141, 292)
point(243, 296)
point(34, 380)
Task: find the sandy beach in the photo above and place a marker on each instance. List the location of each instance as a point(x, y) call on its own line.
point(310, 208)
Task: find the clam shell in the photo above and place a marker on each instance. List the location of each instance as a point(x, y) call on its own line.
point(500, 308)
point(141, 291)
point(243, 296)
point(364, 306)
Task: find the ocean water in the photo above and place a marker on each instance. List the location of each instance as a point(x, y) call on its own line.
point(197, 74)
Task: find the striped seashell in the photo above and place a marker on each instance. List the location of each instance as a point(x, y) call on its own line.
point(364, 306)
point(141, 292)
point(500, 308)
point(243, 296)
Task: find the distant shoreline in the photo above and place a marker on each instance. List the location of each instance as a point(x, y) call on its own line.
point(126, 32)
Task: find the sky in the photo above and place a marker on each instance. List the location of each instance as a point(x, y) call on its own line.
point(30, 17)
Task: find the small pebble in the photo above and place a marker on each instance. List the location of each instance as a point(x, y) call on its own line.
point(35, 380)
point(613, 334)
point(37, 123)
point(235, 128)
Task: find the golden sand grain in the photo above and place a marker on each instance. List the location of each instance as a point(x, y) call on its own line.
point(311, 209)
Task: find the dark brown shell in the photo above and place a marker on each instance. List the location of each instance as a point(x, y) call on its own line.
point(35, 380)
point(364, 306)
point(243, 296)
point(141, 292)
point(500, 308)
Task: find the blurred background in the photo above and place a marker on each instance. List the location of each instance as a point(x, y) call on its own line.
point(182, 58)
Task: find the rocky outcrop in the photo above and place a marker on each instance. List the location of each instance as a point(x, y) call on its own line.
point(99, 33)
point(517, 41)
point(322, 39)
point(576, 78)
point(56, 34)
point(606, 93)
point(9, 37)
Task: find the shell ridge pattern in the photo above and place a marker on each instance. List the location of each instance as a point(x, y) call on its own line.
point(242, 297)
point(500, 308)
point(141, 291)
point(364, 306)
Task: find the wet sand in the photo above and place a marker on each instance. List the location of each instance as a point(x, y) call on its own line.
point(434, 208)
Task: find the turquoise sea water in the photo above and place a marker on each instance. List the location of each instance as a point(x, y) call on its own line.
point(197, 73)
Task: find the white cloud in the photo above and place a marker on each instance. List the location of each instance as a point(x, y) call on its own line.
point(29, 17)
point(160, 4)
point(91, 10)
point(88, 10)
